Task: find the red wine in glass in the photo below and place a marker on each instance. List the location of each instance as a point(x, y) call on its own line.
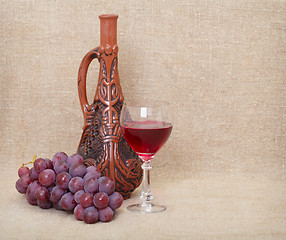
point(146, 137)
point(146, 126)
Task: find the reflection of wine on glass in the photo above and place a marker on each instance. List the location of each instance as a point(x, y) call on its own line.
point(146, 126)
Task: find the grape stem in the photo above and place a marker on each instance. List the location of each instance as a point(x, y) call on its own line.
point(34, 158)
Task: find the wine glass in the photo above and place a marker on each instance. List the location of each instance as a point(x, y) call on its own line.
point(146, 126)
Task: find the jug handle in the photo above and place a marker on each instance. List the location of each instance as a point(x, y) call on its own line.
point(87, 109)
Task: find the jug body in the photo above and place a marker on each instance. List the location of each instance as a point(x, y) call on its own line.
point(102, 143)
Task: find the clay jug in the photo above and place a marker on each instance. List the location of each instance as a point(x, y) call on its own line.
point(102, 143)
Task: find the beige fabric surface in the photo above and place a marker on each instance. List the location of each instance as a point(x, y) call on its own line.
point(222, 66)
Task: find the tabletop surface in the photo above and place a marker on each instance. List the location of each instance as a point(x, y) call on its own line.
point(198, 207)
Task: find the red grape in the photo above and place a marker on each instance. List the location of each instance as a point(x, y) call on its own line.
point(63, 180)
point(86, 200)
point(75, 159)
point(22, 171)
point(25, 180)
point(107, 185)
point(105, 214)
point(77, 195)
point(115, 200)
point(59, 156)
point(49, 163)
point(100, 200)
point(91, 185)
point(47, 177)
point(57, 193)
point(77, 170)
point(33, 174)
point(90, 215)
point(42, 194)
point(67, 202)
point(76, 184)
point(31, 192)
point(44, 204)
point(95, 170)
point(40, 165)
point(90, 175)
point(78, 212)
point(20, 187)
point(61, 166)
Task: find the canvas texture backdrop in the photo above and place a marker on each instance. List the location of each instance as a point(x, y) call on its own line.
point(221, 65)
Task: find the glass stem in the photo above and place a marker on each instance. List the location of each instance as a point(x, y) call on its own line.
point(146, 195)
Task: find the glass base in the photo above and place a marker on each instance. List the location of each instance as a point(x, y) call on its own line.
point(146, 208)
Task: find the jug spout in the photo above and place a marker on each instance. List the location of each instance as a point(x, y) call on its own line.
point(108, 29)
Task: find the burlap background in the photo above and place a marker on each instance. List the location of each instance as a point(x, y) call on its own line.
point(220, 63)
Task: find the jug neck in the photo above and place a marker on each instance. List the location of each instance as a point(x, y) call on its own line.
point(108, 29)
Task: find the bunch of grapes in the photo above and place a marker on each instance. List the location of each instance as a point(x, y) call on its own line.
point(65, 183)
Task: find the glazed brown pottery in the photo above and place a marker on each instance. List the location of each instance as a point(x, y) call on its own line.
point(102, 143)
